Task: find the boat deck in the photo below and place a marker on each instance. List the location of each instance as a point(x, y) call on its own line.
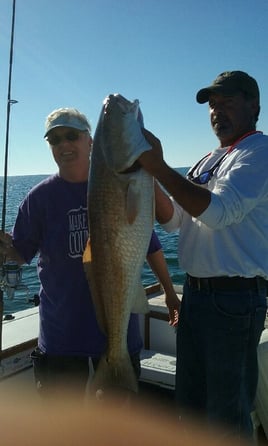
point(19, 338)
point(158, 358)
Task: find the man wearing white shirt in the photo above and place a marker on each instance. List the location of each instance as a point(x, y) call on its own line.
point(221, 210)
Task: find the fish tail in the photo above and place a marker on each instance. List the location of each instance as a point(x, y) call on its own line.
point(111, 377)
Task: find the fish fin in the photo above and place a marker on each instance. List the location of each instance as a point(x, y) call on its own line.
point(114, 376)
point(132, 202)
point(87, 263)
point(87, 253)
point(141, 302)
point(87, 258)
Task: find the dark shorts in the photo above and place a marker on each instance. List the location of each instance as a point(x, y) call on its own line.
point(54, 374)
point(66, 374)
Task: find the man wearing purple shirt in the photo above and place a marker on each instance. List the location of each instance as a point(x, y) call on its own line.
point(52, 222)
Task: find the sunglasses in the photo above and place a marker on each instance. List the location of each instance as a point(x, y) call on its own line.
point(71, 135)
point(204, 177)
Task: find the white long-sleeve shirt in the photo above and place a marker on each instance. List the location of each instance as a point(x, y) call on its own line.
point(230, 238)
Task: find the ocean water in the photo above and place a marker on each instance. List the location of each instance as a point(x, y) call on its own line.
point(17, 188)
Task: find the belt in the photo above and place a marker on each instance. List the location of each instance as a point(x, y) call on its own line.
point(225, 283)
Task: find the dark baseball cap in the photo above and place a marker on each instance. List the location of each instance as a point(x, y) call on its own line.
point(229, 83)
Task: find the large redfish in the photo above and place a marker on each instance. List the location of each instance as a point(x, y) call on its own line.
point(121, 216)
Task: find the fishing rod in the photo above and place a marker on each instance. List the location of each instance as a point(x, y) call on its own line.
point(9, 103)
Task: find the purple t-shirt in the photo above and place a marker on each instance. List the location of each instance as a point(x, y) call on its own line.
point(52, 222)
point(155, 244)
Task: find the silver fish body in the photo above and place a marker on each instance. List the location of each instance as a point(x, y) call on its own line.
point(121, 217)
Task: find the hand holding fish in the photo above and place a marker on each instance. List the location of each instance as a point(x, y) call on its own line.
point(152, 160)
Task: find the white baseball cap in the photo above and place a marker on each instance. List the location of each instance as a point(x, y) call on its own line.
point(67, 117)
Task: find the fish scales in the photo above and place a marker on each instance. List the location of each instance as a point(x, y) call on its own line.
point(121, 217)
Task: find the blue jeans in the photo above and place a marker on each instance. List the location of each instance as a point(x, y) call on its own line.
point(217, 370)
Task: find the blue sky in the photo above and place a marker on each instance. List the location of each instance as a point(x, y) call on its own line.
point(74, 53)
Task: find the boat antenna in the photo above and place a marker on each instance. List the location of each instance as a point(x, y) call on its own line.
point(9, 103)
